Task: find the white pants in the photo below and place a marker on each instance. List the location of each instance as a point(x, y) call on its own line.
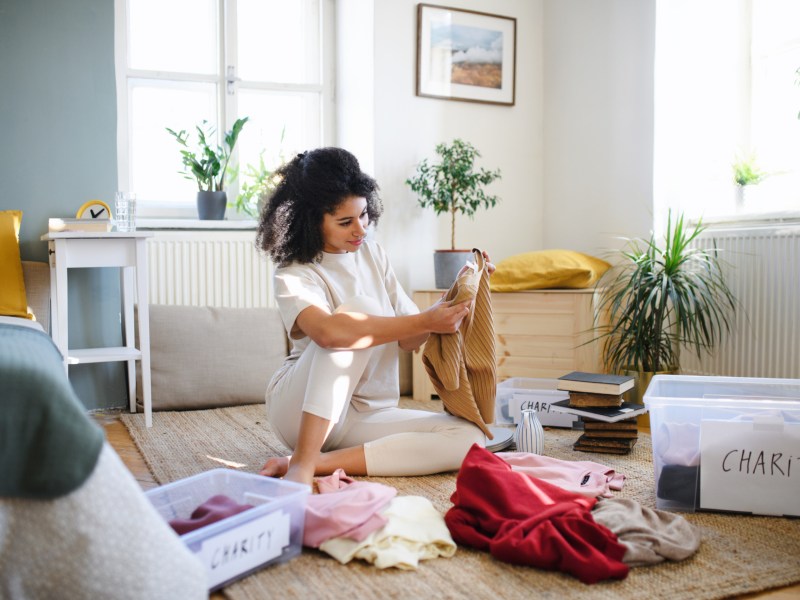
point(396, 441)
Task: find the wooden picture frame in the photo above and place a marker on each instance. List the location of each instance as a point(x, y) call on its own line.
point(466, 55)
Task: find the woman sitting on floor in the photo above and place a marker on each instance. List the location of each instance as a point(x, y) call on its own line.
point(334, 401)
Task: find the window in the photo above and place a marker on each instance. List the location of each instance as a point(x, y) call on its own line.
point(180, 62)
point(726, 86)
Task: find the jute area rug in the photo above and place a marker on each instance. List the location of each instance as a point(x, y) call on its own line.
point(738, 554)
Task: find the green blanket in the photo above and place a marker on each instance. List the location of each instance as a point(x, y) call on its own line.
point(48, 445)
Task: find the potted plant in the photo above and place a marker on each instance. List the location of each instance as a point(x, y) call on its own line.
point(746, 172)
point(208, 165)
point(453, 185)
point(658, 298)
point(256, 189)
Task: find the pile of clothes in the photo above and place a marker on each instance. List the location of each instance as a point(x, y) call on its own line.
point(523, 508)
point(520, 517)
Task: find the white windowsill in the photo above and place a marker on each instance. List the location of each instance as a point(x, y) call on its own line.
point(225, 224)
point(750, 220)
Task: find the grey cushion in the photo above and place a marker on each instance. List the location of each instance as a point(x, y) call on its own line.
point(207, 357)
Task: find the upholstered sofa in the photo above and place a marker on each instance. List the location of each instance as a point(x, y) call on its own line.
point(73, 521)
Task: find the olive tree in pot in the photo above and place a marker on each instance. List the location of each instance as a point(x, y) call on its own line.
point(208, 166)
point(659, 298)
point(453, 185)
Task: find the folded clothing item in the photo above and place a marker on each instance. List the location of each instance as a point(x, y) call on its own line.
point(679, 444)
point(681, 484)
point(212, 510)
point(345, 508)
point(527, 521)
point(414, 531)
point(650, 536)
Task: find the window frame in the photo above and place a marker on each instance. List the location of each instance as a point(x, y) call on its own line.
point(227, 104)
point(783, 203)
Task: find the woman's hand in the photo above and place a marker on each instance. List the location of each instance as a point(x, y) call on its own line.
point(445, 318)
point(489, 264)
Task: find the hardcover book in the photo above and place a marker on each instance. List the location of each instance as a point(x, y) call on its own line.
point(617, 446)
point(597, 383)
point(611, 433)
point(610, 415)
point(607, 443)
point(592, 425)
point(590, 399)
point(55, 225)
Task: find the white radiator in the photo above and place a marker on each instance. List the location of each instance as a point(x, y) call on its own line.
point(208, 268)
point(762, 268)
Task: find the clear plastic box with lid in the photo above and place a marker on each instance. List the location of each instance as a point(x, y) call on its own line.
point(518, 393)
point(726, 443)
point(271, 532)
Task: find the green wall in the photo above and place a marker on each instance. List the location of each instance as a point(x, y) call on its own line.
point(58, 120)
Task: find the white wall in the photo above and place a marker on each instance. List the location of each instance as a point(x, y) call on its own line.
point(355, 67)
point(408, 128)
point(575, 149)
point(598, 115)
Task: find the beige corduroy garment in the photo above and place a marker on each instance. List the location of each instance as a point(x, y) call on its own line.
point(462, 365)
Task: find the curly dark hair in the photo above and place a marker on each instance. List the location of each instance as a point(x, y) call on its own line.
point(311, 184)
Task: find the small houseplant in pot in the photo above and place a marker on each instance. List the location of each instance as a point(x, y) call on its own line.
point(455, 186)
point(660, 297)
point(746, 172)
point(256, 186)
point(208, 165)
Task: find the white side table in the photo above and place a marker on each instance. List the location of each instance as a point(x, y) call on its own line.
point(82, 249)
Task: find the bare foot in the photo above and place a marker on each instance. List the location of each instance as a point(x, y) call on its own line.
point(277, 466)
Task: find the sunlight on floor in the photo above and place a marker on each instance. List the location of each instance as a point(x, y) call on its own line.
point(227, 463)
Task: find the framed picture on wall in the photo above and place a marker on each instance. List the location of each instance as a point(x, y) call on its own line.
point(465, 55)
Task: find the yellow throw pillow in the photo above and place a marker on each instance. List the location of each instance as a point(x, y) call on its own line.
point(545, 269)
point(13, 302)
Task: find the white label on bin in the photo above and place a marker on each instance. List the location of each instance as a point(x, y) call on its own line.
point(750, 466)
point(520, 402)
point(245, 547)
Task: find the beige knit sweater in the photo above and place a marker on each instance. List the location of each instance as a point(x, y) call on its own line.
point(462, 366)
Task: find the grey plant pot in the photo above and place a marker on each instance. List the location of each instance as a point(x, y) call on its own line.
point(211, 205)
point(447, 264)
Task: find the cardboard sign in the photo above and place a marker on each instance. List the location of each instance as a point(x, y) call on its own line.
point(541, 404)
point(245, 547)
point(750, 466)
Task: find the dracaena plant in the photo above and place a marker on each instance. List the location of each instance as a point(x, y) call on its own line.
point(453, 185)
point(208, 163)
point(658, 298)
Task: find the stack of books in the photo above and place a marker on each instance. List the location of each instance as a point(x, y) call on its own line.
point(56, 225)
point(609, 422)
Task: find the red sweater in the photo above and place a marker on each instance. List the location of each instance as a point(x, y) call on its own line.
point(524, 520)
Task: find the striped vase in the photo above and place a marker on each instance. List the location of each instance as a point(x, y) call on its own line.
point(529, 435)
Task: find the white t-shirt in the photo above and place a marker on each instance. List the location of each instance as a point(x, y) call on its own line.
point(327, 284)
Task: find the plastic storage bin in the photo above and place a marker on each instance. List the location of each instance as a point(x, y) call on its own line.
point(726, 443)
point(517, 393)
point(271, 532)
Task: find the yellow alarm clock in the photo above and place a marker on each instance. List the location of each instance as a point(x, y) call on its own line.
point(94, 209)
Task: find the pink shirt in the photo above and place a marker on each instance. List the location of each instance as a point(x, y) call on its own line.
point(580, 476)
point(345, 508)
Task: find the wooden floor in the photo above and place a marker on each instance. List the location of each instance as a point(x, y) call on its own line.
point(121, 441)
